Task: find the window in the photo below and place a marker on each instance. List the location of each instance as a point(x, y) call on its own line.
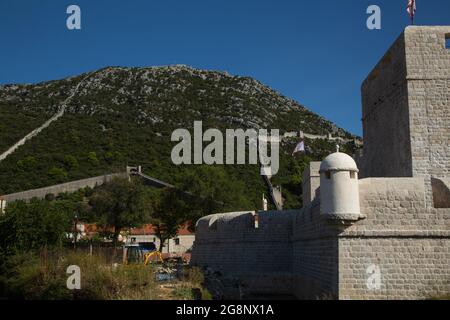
point(328, 174)
point(352, 175)
point(177, 241)
point(447, 41)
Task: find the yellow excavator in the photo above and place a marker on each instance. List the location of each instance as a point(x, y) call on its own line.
point(141, 252)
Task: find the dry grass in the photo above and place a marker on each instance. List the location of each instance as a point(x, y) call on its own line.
point(192, 286)
point(44, 277)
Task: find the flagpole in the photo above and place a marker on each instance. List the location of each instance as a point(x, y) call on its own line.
point(411, 10)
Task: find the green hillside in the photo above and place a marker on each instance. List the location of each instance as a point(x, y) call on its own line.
point(121, 116)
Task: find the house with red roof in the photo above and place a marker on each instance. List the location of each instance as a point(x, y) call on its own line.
point(179, 244)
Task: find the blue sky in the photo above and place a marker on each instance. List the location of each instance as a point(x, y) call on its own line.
point(316, 52)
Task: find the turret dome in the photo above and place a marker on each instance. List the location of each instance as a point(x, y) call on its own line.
point(338, 161)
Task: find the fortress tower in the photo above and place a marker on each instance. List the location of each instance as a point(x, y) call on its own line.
point(406, 108)
point(392, 225)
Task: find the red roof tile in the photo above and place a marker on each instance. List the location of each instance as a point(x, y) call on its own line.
point(147, 229)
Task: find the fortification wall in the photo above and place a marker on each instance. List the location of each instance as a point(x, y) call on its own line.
point(387, 146)
point(405, 233)
point(260, 257)
point(406, 98)
point(61, 188)
point(428, 76)
point(397, 204)
point(410, 267)
point(316, 258)
point(310, 182)
point(408, 243)
point(45, 125)
point(315, 253)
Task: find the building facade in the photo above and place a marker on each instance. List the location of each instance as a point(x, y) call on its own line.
point(180, 244)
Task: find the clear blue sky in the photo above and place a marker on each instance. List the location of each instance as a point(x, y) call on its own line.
point(316, 52)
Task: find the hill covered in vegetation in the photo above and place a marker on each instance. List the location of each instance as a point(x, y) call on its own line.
point(125, 116)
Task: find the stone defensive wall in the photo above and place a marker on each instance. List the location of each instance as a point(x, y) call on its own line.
point(406, 99)
point(61, 188)
point(254, 246)
point(306, 254)
point(406, 239)
point(386, 236)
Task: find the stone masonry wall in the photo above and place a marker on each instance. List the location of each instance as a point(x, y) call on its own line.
point(260, 257)
point(406, 99)
point(401, 236)
point(428, 76)
point(410, 267)
point(315, 255)
point(309, 256)
point(60, 188)
point(397, 204)
point(387, 151)
point(310, 182)
point(405, 234)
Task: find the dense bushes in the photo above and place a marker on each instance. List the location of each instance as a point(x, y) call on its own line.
point(35, 225)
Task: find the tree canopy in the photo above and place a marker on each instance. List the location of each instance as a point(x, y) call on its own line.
point(29, 226)
point(121, 204)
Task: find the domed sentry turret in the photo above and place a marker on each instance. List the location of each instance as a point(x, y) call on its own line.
point(339, 191)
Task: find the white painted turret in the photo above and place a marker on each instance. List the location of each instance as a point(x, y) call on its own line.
point(339, 190)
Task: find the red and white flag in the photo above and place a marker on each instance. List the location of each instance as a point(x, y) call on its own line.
point(299, 148)
point(411, 9)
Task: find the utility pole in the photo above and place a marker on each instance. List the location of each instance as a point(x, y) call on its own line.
point(75, 231)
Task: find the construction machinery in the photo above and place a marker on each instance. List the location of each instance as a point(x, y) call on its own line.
point(141, 252)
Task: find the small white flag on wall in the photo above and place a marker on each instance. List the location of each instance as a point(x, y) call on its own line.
point(299, 148)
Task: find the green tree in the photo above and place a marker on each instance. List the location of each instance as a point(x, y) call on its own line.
point(70, 162)
point(211, 190)
point(171, 212)
point(27, 164)
point(120, 204)
point(202, 191)
point(30, 226)
point(118, 156)
point(92, 158)
point(58, 174)
point(109, 157)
